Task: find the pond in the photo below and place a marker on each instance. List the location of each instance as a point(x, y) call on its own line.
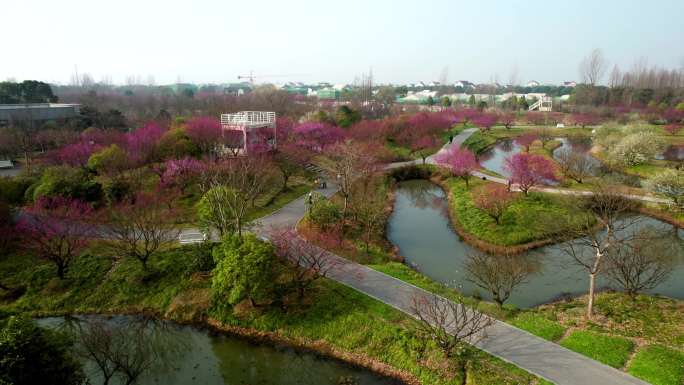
point(673, 153)
point(420, 228)
point(203, 357)
point(494, 159)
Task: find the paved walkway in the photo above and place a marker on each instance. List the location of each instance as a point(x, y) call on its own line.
point(460, 138)
point(538, 356)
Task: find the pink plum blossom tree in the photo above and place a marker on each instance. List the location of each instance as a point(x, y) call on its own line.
point(424, 146)
point(460, 162)
point(485, 121)
point(205, 132)
point(526, 140)
point(529, 170)
point(142, 143)
point(56, 229)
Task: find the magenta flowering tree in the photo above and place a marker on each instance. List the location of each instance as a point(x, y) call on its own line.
point(74, 154)
point(233, 140)
point(529, 170)
point(142, 143)
point(460, 162)
point(56, 229)
point(507, 119)
point(466, 115)
point(284, 127)
point(424, 146)
point(585, 119)
point(367, 131)
point(673, 128)
point(526, 140)
point(180, 173)
point(673, 116)
point(205, 132)
point(101, 137)
point(485, 121)
point(317, 136)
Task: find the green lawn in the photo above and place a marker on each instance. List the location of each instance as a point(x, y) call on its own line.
point(354, 322)
point(658, 365)
point(657, 320)
point(539, 325)
point(479, 142)
point(280, 200)
point(526, 220)
point(334, 314)
point(96, 284)
point(613, 351)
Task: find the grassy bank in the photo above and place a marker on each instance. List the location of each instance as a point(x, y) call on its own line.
point(332, 318)
point(644, 337)
point(525, 221)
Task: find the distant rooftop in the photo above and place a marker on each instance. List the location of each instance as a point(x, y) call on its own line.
point(36, 105)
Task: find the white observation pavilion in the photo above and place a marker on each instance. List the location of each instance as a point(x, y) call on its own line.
point(257, 127)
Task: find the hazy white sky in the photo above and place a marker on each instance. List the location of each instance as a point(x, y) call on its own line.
point(319, 40)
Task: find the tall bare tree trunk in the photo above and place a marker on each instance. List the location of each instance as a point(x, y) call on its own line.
point(590, 303)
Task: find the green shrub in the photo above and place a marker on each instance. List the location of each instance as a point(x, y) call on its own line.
point(613, 351)
point(115, 190)
point(67, 182)
point(245, 269)
point(201, 257)
point(108, 160)
point(31, 355)
point(658, 365)
point(12, 190)
point(323, 213)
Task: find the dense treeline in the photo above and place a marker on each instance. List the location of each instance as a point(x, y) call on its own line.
point(28, 91)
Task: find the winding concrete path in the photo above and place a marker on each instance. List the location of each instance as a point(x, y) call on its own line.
point(465, 134)
point(540, 357)
point(536, 355)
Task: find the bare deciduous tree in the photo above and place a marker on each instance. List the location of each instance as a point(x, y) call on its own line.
point(368, 200)
point(575, 165)
point(245, 178)
point(593, 67)
point(126, 350)
point(544, 134)
point(350, 161)
point(140, 228)
point(451, 325)
point(306, 262)
point(643, 262)
point(499, 275)
point(589, 246)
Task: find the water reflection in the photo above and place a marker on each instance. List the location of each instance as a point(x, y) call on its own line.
point(425, 238)
point(201, 357)
point(494, 159)
point(673, 153)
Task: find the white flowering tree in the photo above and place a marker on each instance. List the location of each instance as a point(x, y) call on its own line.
point(637, 148)
point(670, 183)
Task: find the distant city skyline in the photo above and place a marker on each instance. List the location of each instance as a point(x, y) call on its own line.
point(315, 41)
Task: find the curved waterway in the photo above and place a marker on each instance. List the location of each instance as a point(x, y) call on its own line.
point(420, 228)
point(494, 159)
point(203, 357)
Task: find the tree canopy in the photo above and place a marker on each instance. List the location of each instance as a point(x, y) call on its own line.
point(32, 355)
point(28, 91)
